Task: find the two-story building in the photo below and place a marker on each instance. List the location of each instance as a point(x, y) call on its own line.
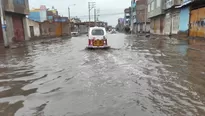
point(15, 16)
point(133, 16)
point(38, 14)
point(156, 15)
point(143, 23)
point(172, 16)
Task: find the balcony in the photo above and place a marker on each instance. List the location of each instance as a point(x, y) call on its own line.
point(171, 3)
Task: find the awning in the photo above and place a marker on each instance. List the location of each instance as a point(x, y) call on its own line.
point(183, 4)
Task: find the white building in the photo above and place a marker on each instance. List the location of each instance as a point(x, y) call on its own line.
point(33, 28)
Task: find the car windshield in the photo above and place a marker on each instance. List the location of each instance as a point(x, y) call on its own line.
point(97, 32)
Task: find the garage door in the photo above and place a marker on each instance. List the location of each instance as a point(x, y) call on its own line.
point(197, 23)
point(18, 28)
point(175, 23)
point(167, 29)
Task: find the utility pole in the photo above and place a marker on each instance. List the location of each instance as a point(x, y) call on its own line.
point(69, 10)
point(95, 17)
point(132, 17)
point(3, 24)
point(146, 5)
point(69, 13)
point(98, 12)
point(91, 5)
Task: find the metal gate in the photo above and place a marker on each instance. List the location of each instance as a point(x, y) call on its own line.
point(197, 23)
point(18, 28)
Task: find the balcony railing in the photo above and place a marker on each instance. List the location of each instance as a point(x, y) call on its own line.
point(171, 3)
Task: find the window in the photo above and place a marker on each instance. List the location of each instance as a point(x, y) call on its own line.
point(97, 32)
point(21, 2)
point(158, 3)
point(149, 8)
point(152, 5)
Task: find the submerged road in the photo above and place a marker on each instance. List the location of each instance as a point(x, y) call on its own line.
point(138, 76)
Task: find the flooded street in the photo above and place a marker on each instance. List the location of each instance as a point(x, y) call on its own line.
point(138, 76)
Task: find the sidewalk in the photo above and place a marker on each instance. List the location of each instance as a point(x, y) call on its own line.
point(194, 43)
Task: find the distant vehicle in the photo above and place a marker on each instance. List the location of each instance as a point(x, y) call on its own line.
point(75, 34)
point(97, 38)
point(113, 31)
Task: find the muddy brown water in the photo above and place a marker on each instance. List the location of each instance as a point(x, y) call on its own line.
point(138, 76)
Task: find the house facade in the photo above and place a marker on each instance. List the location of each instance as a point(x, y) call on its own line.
point(156, 15)
point(143, 23)
point(33, 28)
point(15, 16)
point(172, 16)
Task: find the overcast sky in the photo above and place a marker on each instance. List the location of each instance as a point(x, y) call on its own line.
point(110, 10)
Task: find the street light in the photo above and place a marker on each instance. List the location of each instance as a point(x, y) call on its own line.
point(69, 10)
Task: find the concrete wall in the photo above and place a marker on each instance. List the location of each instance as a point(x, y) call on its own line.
point(10, 30)
point(55, 29)
point(36, 28)
point(157, 9)
point(17, 6)
point(83, 29)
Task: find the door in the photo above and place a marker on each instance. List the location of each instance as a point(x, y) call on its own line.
point(175, 23)
point(193, 19)
point(31, 31)
point(1, 34)
point(161, 25)
point(18, 28)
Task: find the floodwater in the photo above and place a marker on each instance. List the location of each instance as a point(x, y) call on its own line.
point(138, 76)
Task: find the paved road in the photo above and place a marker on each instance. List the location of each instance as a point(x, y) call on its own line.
point(138, 76)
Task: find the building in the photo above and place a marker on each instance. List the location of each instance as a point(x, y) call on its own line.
point(143, 23)
point(172, 19)
point(120, 25)
point(127, 16)
point(15, 16)
point(133, 16)
point(39, 14)
point(52, 13)
point(156, 16)
point(33, 28)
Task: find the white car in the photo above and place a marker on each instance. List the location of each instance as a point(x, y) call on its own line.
point(74, 34)
point(97, 38)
